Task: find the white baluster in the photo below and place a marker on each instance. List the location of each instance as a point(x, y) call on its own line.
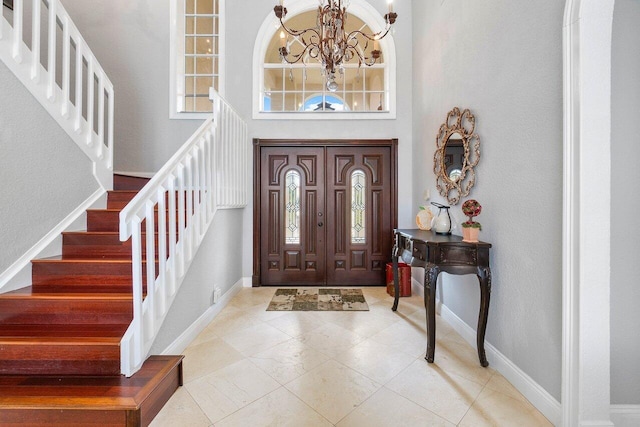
point(110, 124)
point(51, 60)
point(90, 100)
point(173, 218)
point(35, 40)
point(79, 80)
point(151, 264)
point(101, 140)
point(18, 15)
point(66, 66)
point(181, 219)
point(162, 250)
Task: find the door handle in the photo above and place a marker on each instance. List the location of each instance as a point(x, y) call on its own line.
point(320, 224)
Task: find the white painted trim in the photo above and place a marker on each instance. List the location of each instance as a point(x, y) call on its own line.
point(570, 237)
point(586, 255)
point(360, 8)
point(183, 341)
point(530, 389)
point(135, 174)
point(19, 265)
point(246, 282)
point(625, 415)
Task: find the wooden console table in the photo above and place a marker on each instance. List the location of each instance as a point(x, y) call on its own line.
point(438, 253)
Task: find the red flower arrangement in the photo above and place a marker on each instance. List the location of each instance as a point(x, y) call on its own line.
point(471, 208)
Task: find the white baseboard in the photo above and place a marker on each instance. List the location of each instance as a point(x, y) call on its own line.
point(183, 341)
point(246, 282)
point(18, 275)
point(625, 415)
point(135, 174)
point(530, 389)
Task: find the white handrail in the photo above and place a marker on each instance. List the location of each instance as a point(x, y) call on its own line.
point(73, 112)
point(181, 199)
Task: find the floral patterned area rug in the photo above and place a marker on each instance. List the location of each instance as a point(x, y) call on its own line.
point(313, 299)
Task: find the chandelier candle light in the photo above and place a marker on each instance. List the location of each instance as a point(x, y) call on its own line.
point(329, 43)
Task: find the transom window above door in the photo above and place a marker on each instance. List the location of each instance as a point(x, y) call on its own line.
point(299, 91)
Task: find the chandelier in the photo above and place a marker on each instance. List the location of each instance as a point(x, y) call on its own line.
point(329, 43)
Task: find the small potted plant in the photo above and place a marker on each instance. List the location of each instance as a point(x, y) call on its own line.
point(471, 228)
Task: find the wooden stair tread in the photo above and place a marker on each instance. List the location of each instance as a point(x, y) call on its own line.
point(61, 260)
point(27, 293)
point(85, 391)
point(66, 330)
point(95, 340)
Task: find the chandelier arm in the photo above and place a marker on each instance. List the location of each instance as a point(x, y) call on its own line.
point(296, 57)
point(373, 37)
point(298, 33)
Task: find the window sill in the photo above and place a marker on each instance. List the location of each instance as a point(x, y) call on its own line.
point(365, 115)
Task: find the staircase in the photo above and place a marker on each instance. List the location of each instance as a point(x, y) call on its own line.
point(60, 338)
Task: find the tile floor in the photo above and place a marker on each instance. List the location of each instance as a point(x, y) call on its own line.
point(252, 367)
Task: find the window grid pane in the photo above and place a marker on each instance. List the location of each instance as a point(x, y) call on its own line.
point(201, 53)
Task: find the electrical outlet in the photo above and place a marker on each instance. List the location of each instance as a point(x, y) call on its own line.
point(217, 293)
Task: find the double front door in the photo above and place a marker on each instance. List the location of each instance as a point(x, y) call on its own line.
point(324, 213)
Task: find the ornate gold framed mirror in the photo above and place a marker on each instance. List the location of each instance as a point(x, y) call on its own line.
point(457, 154)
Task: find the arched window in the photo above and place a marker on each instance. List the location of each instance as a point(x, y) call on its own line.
point(287, 89)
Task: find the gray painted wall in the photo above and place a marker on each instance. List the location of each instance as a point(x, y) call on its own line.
point(217, 263)
point(504, 62)
point(45, 176)
point(131, 41)
point(625, 175)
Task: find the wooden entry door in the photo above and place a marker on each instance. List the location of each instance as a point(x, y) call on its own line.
point(324, 212)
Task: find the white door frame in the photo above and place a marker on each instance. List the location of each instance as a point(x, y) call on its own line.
point(586, 219)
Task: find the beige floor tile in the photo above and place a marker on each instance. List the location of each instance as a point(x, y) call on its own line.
point(181, 409)
point(225, 391)
point(461, 359)
point(296, 323)
point(403, 307)
point(207, 334)
point(236, 366)
point(207, 357)
point(364, 323)
point(447, 395)
point(232, 322)
point(255, 339)
point(331, 339)
point(493, 408)
point(500, 383)
point(377, 361)
point(289, 360)
point(260, 313)
point(386, 408)
point(333, 389)
point(405, 337)
point(249, 297)
point(280, 408)
point(375, 294)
